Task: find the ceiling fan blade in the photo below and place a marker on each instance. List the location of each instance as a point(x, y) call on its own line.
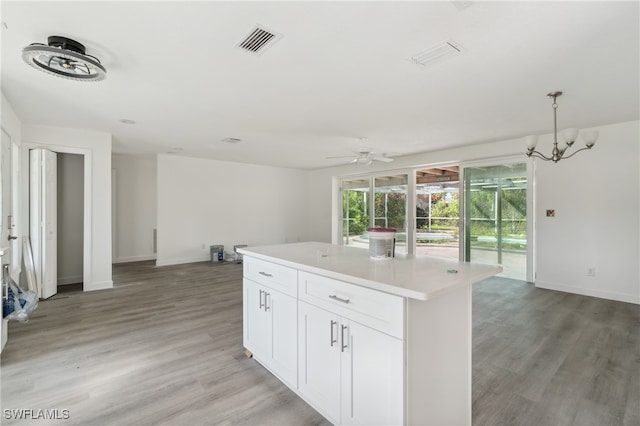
point(341, 156)
point(381, 158)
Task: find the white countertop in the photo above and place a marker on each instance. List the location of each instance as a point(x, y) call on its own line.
point(419, 277)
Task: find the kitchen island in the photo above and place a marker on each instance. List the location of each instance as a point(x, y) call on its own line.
point(363, 341)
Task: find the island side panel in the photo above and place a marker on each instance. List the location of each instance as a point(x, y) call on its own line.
point(439, 359)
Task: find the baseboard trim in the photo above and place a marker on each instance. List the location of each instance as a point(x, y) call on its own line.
point(168, 262)
point(129, 259)
point(97, 285)
point(70, 280)
point(620, 297)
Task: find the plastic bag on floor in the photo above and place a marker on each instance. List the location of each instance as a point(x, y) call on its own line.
point(19, 304)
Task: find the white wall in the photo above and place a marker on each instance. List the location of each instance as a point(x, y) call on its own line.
point(70, 218)
point(135, 207)
point(12, 125)
point(96, 148)
point(206, 202)
point(596, 196)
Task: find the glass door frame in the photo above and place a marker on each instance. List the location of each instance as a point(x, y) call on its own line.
point(530, 274)
point(337, 237)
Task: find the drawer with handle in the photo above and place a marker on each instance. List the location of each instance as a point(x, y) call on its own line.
point(373, 308)
point(277, 277)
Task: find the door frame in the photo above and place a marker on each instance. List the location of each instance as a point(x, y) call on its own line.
point(336, 222)
point(88, 213)
point(497, 161)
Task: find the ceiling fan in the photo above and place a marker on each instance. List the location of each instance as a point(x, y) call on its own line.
point(64, 57)
point(364, 156)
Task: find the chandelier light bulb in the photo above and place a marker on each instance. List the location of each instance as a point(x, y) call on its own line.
point(531, 141)
point(590, 137)
point(570, 135)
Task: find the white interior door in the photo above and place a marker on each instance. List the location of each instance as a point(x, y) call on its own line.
point(43, 176)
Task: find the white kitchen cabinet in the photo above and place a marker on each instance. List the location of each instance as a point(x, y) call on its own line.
point(282, 331)
point(351, 373)
point(372, 377)
point(378, 342)
point(254, 324)
point(319, 359)
point(270, 329)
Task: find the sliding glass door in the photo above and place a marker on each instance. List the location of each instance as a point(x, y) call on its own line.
point(438, 212)
point(377, 201)
point(355, 210)
point(390, 207)
point(496, 217)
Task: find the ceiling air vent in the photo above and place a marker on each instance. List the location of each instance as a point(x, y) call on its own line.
point(258, 40)
point(436, 51)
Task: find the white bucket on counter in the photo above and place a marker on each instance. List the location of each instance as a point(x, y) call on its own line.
point(382, 243)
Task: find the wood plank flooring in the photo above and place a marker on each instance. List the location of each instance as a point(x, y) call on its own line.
point(164, 347)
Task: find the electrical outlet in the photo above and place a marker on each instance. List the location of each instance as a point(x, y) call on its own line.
point(591, 272)
point(204, 246)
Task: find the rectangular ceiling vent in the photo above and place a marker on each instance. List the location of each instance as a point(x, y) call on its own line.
point(436, 52)
point(258, 40)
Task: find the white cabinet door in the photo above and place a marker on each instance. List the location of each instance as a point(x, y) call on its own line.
point(319, 359)
point(270, 329)
point(372, 377)
point(282, 335)
point(254, 320)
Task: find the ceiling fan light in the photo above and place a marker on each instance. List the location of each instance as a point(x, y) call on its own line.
point(65, 58)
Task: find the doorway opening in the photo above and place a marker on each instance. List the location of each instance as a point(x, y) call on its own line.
point(496, 217)
point(438, 212)
point(57, 216)
point(70, 227)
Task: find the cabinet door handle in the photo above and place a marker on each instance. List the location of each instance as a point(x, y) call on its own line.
point(265, 274)
point(266, 305)
point(344, 346)
point(339, 299)
point(333, 339)
point(261, 304)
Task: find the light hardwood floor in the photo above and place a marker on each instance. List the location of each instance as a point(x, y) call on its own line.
point(165, 347)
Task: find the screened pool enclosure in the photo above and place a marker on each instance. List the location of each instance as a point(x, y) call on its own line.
point(494, 213)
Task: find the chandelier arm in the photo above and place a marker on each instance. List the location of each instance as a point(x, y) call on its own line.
point(539, 155)
point(575, 152)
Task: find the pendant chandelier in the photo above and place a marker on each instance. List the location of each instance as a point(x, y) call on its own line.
point(569, 135)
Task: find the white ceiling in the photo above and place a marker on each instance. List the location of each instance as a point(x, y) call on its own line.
point(340, 72)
